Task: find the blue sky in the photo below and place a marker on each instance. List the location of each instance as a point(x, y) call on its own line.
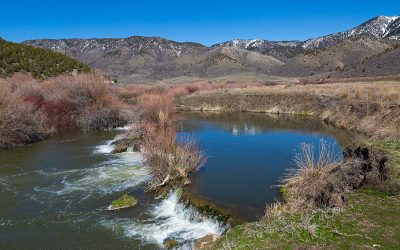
point(206, 22)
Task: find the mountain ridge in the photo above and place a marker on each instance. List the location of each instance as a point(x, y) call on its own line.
point(138, 58)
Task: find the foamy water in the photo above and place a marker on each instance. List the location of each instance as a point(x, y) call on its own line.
point(168, 220)
point(106, 148)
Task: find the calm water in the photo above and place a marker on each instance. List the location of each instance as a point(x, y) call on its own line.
point(249, 153)
point(54, 194)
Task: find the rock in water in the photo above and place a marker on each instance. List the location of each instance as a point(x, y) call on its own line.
point(170, 243)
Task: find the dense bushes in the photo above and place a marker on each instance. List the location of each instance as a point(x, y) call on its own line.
point(31, 109)
point(41, 63)
point(20, 122)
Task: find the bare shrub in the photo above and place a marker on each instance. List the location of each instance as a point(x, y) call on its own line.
point(158, 109)
point(20, 123)
point(30, 107)
point(169, 159)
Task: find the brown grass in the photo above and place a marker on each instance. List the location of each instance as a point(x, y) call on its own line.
point(323, 180)
point(306, 184)
point(135, 91)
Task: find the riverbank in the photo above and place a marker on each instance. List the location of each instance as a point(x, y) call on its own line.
point(369, 220)
point(370, 109)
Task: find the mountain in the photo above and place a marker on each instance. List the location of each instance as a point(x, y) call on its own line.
point(379, 27)
point(152, 58)
point(144, 59)
point(282, 50)
point(122, 56)
point(336, 59)
point(41, 63)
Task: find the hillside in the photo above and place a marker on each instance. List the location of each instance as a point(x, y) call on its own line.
point(41, 63)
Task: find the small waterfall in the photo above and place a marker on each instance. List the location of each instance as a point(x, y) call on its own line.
point(169, 219)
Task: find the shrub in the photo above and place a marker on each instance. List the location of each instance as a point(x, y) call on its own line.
point(29, 108)
point(20, 123)
point(158, 109)
point(169, 159)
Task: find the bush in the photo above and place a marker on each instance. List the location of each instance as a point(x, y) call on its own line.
point(29, 108)
point(20, 123)
point(169, 159)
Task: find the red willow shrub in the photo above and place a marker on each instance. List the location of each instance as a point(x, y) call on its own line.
point(85, 101)
point(20, 123)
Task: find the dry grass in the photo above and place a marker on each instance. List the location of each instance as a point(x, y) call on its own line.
point(322, 179)
point(306, 184)
point(134, 91)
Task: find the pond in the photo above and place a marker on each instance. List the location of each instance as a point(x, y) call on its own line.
point(54, 194)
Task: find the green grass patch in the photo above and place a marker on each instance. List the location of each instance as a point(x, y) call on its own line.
point(393, 150)
point(371, 220)
point(124, 201)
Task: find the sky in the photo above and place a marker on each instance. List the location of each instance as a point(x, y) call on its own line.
point(207, 22)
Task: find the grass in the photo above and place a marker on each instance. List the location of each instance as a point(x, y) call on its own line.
point(124, 201)
point(393, 149)
point(371, 220)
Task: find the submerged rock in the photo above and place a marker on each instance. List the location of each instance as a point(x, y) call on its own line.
point(120, 148)
point(124, 201)
point(170, 243)
point(205, 242)
point(123, 145)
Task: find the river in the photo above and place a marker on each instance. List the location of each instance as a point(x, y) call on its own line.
point(54, 193)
